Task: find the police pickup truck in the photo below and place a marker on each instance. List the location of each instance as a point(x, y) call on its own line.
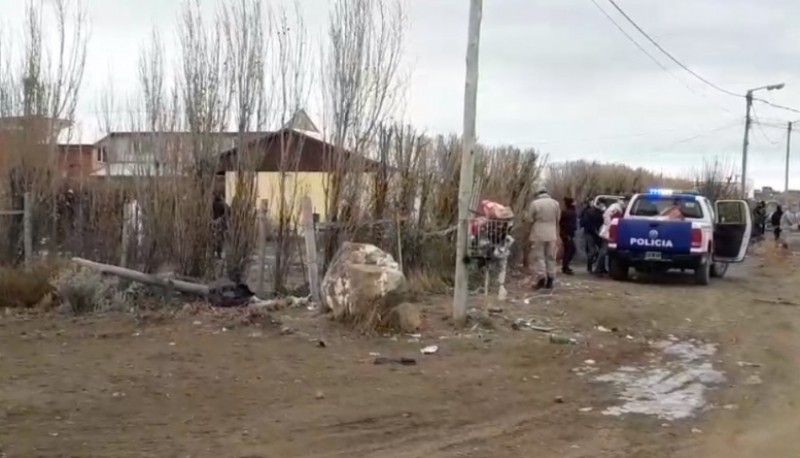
point(665, 229)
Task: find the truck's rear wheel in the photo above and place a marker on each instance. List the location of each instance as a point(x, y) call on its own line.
point(702, 274)
point(618, 269)
point(719, 269)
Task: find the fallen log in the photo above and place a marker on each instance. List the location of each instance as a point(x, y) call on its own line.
point(134, 275)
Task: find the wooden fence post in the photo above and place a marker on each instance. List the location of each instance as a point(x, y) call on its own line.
point(126, 235)
point(27, 223)
point(262, 246)
point(311, 250)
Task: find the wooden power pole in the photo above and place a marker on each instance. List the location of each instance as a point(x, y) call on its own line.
point(466, 180)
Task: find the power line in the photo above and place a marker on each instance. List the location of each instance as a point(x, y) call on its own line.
point(761, 128)
point(649, 55)
point(775, 105)
point(670, 56)
point(727, 125)
point(685, 67)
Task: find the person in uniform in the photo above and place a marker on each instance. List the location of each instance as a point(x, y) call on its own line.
point(543, 214)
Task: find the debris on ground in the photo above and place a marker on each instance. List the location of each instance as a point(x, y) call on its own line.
point(521, 323)
point(429, 350)
point(401, 361)
point(753, 380)
point(562, 339)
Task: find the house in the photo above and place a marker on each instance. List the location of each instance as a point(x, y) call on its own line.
point(32, 138)
point(75, 161)
point(299, 154)
point(126, 154)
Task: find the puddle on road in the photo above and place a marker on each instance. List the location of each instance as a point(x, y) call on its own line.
point(670, 388)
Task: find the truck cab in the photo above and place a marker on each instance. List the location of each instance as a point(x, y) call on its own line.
point(666, 229)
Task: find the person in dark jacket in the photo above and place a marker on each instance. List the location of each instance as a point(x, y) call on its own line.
point(220, 214)
point(591, 222)
point(776, 220)
point(760, 219)
point(567, 226)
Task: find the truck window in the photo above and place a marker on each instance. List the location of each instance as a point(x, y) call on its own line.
point(657, 205)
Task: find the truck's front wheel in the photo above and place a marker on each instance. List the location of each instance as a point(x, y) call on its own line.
point(702, 274)
point(618, 269)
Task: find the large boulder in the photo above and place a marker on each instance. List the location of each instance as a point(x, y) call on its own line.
point(363, 284)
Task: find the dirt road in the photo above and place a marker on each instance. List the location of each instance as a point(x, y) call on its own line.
point(207, 385)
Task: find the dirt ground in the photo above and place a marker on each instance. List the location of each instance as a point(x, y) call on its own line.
point(206, 384)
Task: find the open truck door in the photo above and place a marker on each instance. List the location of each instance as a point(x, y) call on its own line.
point(732, 230)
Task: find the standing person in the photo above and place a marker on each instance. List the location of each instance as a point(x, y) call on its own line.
point(220, 213)
point(760, 218)
point(777, 219)
point(567, 225)
point(591, 222)
point(543, 214)
point(614, 211)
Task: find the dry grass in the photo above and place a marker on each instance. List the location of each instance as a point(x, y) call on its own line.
point(23, 288)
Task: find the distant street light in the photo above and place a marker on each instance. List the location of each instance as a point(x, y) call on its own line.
point(749, 99)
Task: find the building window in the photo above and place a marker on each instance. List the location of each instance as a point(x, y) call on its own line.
point(102, 154)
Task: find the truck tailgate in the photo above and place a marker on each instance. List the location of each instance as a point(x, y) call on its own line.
point(654, 235)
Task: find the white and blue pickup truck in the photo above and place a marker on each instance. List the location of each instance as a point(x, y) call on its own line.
point(665, 229)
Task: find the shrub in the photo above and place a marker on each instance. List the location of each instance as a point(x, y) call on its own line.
point(84, 291)
point(22, 288)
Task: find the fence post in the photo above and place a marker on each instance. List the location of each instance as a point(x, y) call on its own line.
point(311, 250)
point(27, 222)
point(262, 246)
point(126, 235)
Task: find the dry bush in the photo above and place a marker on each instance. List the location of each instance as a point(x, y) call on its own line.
point(583, 179)
point(23, 288)
point(716, 180)
point(83, 291)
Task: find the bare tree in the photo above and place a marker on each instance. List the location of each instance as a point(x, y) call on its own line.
point(204, 94)
point(716, 180)
point(40, 89)
point(361, 83)
point(245, 38)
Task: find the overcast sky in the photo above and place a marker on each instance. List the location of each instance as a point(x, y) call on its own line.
point(555, 74)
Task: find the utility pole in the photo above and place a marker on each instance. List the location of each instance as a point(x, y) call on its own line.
point(749, 98)
point(466, 180)
point(788, 150)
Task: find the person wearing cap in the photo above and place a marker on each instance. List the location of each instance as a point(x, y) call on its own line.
point(544, 214)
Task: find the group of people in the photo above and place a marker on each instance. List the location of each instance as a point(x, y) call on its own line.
point(551, 223)
point(778, 219)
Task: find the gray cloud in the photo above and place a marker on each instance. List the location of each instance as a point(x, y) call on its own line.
point(555, 74)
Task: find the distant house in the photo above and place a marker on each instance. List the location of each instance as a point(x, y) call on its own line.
point(75, 161)
point(299, 152)
point(125, 154)
point(31, 138)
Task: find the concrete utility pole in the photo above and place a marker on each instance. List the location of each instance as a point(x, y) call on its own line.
point(466, 180)
point(746, 143)
point(747, 122)
point(788, 150)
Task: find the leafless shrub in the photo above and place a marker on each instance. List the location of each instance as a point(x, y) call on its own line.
point(716, 180)
point(582, 179)
point(83, 291)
